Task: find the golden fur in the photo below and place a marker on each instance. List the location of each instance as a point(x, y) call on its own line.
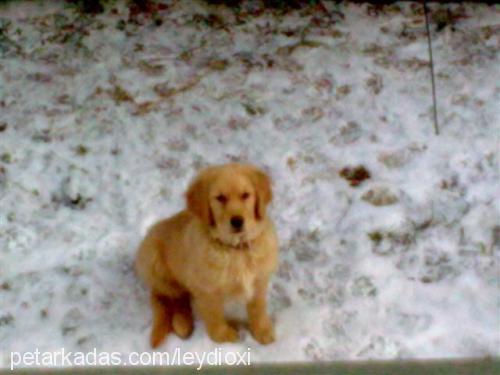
point(223, 247)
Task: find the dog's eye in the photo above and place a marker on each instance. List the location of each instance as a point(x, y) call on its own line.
point(221, 198)
point(245, 196)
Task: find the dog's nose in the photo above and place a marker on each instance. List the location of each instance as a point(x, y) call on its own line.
point(237, 222)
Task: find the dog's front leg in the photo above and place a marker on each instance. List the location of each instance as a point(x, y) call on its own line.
point(260, 322)
point(211, 309)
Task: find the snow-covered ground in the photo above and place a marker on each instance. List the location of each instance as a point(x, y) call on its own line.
point(104, 119)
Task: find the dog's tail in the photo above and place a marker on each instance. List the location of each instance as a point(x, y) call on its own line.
point(162, 319)
point(170, 314)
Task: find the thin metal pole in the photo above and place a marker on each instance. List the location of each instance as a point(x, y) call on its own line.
point(431, 60)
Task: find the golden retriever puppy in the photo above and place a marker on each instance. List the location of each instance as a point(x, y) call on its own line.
point(222, 248)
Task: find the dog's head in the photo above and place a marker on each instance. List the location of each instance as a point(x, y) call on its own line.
point(231, 201)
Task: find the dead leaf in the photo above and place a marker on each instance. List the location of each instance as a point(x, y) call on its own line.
point(355, 175)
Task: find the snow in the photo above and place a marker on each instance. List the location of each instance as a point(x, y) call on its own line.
point(106, 123)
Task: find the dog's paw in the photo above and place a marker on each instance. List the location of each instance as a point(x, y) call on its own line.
point(224, 333)
point(263, 332)
point(182, 325)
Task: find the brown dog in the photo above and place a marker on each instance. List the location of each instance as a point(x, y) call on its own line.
point(223, 247)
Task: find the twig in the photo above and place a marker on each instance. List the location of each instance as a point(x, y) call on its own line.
point(431, 60)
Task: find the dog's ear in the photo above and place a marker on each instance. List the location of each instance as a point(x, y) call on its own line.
point(197, 198)
point(262, 184)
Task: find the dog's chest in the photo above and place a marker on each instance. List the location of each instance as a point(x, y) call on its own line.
point(235, 275)
point(242, 286)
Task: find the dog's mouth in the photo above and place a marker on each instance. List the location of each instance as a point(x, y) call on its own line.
point(231, 237)
point(239, 240)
